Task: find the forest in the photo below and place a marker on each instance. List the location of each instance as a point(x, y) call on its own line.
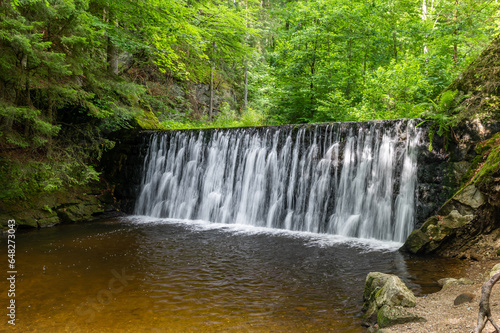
point(73, 73)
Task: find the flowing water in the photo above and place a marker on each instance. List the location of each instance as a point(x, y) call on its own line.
point(351, 179)
point(141, 274)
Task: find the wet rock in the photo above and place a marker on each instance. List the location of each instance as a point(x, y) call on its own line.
point(463, 298)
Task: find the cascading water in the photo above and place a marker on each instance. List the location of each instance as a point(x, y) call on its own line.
point(352, 179)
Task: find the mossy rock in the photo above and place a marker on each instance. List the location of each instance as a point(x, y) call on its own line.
point(434, 231)
point(490, 168)
point(395, 293)
point(470, 196)
point(416, 242)
point(79, 212)
point(49, 222)
point(384, 290)
point(392, 315)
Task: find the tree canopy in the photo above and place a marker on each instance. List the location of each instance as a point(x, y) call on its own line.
point(72, 71)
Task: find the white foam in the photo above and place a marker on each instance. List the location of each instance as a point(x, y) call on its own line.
point(310, 238)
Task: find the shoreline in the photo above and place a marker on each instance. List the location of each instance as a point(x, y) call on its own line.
point(443, 316)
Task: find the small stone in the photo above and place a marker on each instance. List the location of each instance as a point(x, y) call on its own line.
point(448, 282)
point(495, 269)
point(442, 282)
point(463, 298)
point(465, 281)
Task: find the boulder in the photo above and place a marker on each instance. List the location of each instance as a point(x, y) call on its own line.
point(463, 298)
point(78, 212)
point(434, 231)
point(394, 293)
point(374, 282)
point(392, 315)
point(385, 297)
point(470, 196)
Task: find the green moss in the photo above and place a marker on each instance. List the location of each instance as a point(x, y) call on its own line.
point(486, 145)
point(489, 150)
point(490, 167)
point(148, 120)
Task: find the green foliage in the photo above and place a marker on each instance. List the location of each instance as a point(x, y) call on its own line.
point(440, 114)
point(73, 71)
point(24, 178)
point(337, 60)
point(225, 119)
point(395, 91)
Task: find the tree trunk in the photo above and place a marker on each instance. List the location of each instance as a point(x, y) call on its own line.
point(246, 87)
point(455, 45)
point(424, 18)
point(112, 58)
point(349, 56)
point(484, 305)
point(395, 46)
point(364, 67)
point(111, 49)
point(212, 70)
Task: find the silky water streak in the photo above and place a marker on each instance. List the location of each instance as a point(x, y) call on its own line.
point(351, 179)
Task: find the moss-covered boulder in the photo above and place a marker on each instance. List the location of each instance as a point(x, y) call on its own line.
point(392, 315)
point(78, 212)
point(434, 231)
point(385, 297)
point(71, 205)
point(394, 293)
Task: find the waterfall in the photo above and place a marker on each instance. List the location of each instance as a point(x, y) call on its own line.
point(351, 179)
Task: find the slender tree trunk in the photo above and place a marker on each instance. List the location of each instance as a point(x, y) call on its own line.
point(455, 45)
point(112, 57)
point(349, 55)
point(395, 46)
point(111, 49)
point(364, 67)
point(424, 18)
point(28, 103)
point(212, 70)
point(313, 70)
point(246, 87)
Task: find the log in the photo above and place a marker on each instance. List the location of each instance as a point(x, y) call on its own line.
point(484, 305)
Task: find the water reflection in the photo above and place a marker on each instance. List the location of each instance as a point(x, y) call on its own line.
point(126, 276)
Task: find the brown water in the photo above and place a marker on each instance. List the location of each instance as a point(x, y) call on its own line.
point(124, 275)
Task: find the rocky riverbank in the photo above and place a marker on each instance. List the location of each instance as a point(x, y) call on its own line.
point(444, 313)
point(468, 224)
point(78, 204)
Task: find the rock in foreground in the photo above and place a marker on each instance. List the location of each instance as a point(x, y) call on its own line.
point(385, 299)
